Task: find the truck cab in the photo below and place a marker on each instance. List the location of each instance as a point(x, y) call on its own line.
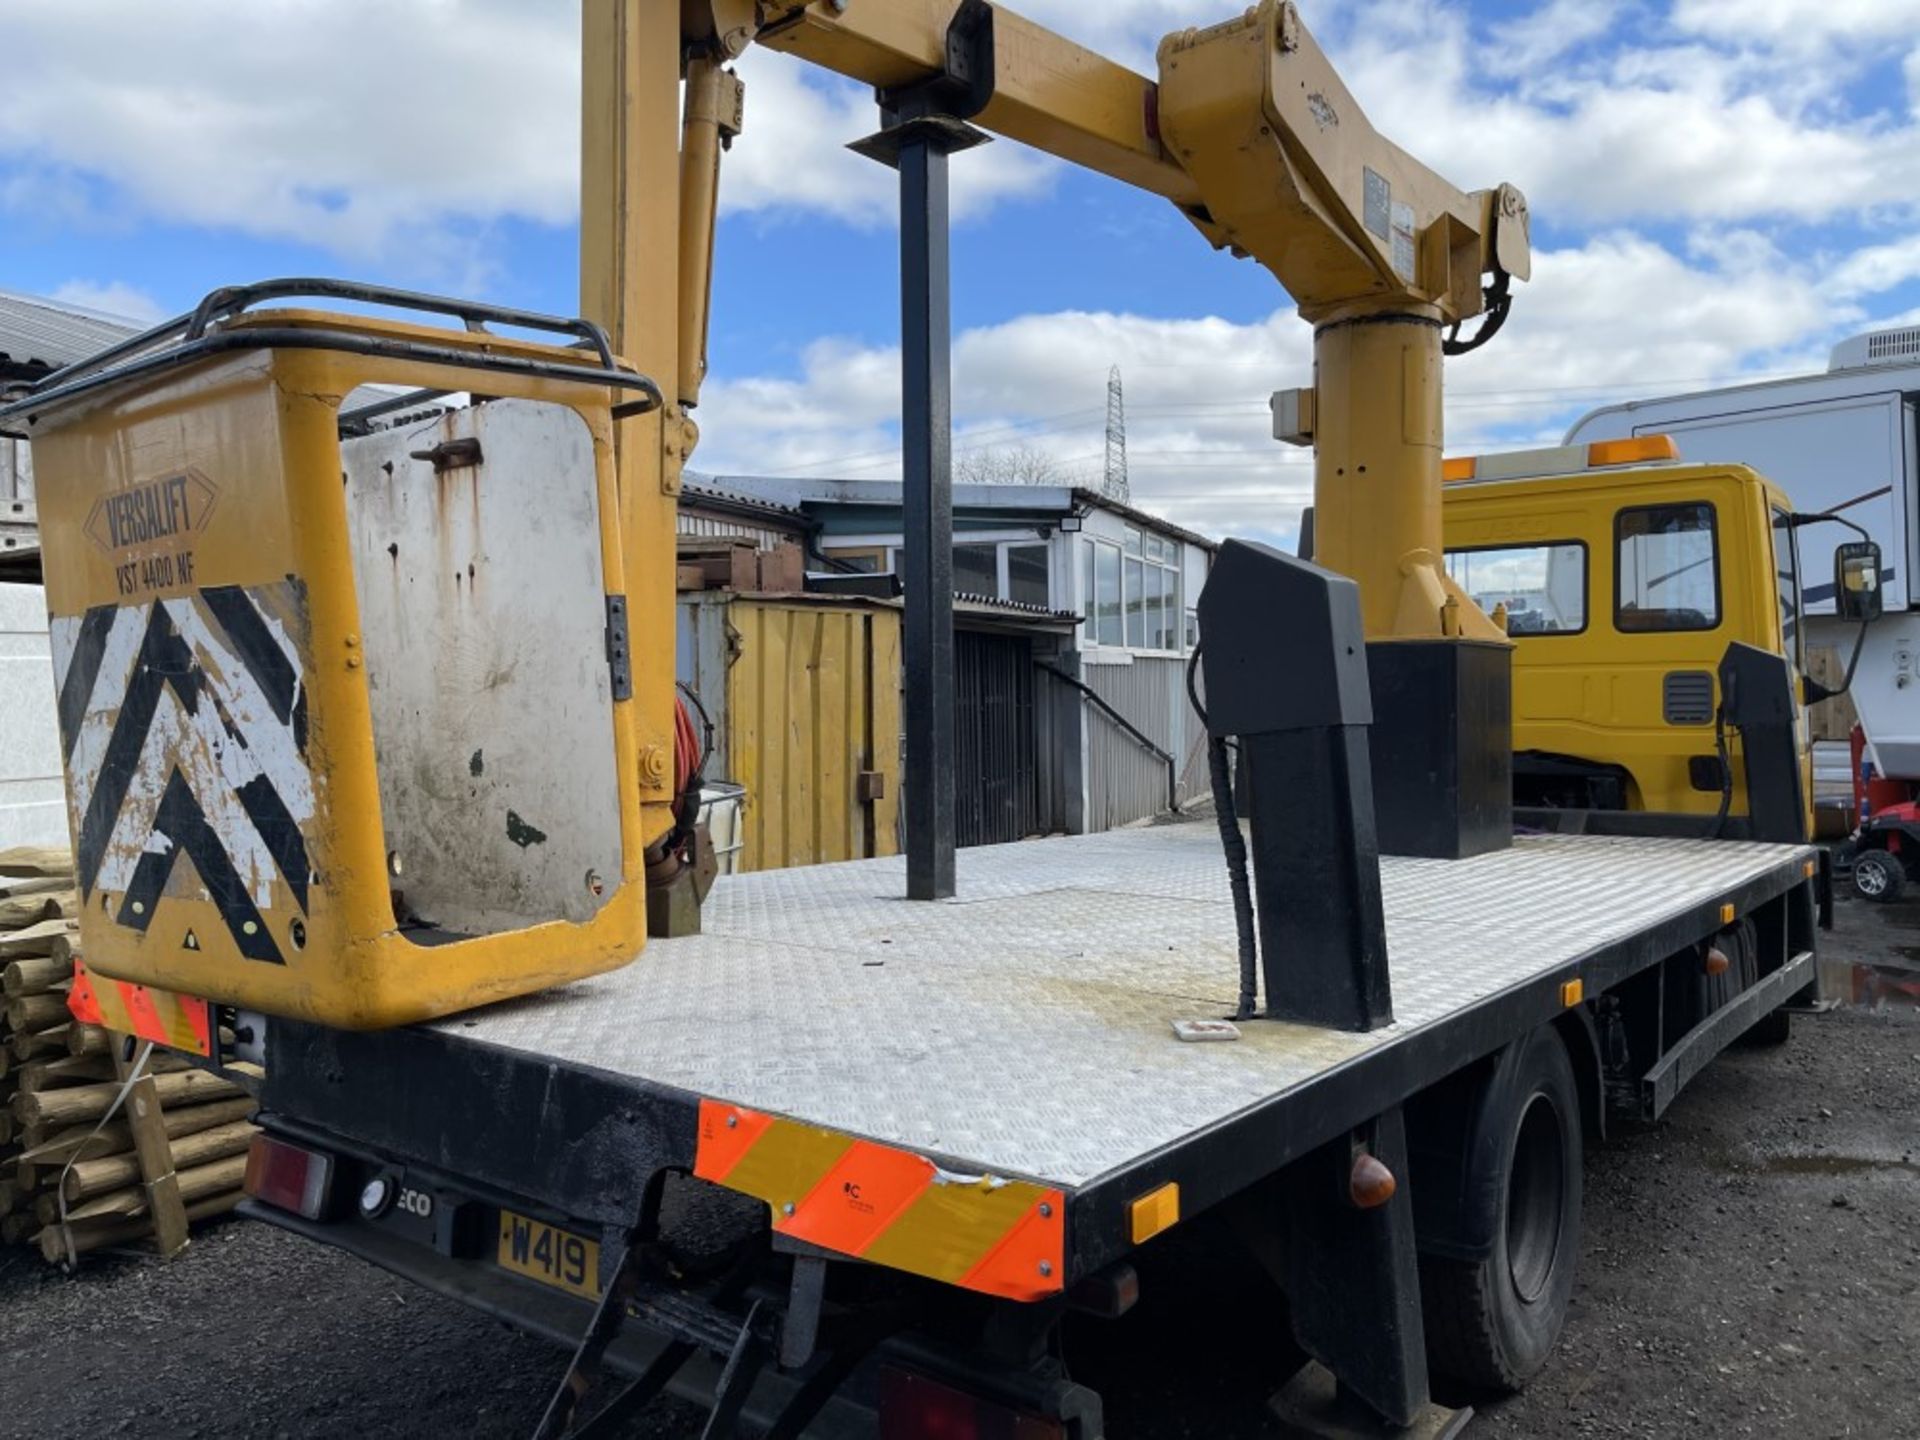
point(1624, 574)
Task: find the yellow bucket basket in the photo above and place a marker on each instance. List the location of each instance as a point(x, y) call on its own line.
point(345, 682)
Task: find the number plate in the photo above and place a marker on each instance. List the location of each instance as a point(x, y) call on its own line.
point(550, 1255)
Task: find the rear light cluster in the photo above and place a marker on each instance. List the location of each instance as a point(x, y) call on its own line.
point(912, 1407)
point(289, 1177)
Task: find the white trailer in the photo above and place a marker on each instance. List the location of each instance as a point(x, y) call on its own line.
point(1841, 441)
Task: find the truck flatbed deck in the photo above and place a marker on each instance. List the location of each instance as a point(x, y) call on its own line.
point(1024, 1029)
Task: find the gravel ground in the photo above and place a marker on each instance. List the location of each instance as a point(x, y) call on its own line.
point(1751, 1268)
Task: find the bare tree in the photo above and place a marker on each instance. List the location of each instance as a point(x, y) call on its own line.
point(1007, 465)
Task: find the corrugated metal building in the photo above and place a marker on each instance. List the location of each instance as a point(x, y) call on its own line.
point(38, 334)
point(36, 337)
point(1130, 578)
point(708, 511)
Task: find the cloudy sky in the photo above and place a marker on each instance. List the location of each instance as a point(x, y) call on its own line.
point(1720, 190)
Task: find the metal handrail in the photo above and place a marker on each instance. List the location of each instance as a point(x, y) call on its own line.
point(1146, 741)
point(200, 335)
point(231, 300)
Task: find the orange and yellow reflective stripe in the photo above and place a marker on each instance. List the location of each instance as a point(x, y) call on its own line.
point(892, 1207)
point(162, 1016)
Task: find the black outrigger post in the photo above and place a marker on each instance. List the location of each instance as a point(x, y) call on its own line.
point(922, 126)
point(1285, 663)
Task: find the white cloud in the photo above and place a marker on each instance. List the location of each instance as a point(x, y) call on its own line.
point(398, 131)
point(1874, 269)
point(1612, 319)
point(1654, 132)
point(115, 298)
point(1542, 36)
point(390, 131)
point(352, 125)
point(1797, 22)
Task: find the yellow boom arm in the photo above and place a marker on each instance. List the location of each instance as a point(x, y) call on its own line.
point(1248, 129)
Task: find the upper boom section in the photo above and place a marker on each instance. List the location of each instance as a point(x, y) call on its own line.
point(1249, 130)
point(1292, 173)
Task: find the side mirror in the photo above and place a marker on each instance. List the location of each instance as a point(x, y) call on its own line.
point(1856, 581)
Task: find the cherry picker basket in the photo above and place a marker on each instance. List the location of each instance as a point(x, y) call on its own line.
point(338, 613)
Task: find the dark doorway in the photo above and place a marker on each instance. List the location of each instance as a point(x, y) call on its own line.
point(996, 777)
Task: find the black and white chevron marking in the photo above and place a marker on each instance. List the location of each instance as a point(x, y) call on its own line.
point(184, 723)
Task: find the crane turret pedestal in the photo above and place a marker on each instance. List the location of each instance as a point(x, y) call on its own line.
point(1386, 259)
point(1440, 669)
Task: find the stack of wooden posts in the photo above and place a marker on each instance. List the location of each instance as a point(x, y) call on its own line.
point(58, 1078)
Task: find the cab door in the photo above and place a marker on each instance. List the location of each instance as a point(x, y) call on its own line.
point(1673, 583)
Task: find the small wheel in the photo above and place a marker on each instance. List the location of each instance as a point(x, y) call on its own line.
point(1491, 1323)
point(1878, 875)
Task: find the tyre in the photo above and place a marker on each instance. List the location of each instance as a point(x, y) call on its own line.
point(1491, 1323)
point(1878, 875)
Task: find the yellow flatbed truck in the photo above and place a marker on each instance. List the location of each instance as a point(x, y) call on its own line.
point(964, 1123)
point(366, 701)
point(930, 1133)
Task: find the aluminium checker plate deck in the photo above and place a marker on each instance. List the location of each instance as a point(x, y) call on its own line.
point(1024, 1029)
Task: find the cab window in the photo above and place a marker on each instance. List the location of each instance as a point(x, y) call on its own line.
point(1667, 575)
point(1543, 587)
point(1786, 579)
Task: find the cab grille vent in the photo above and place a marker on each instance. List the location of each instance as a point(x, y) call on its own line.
point(1688, 697)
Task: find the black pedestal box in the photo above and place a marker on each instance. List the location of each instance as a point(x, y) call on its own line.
point(1442, 746)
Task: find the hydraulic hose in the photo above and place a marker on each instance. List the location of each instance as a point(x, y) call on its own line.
point(1725, 754)
point(1235, 845)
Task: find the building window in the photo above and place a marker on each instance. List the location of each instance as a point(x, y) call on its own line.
point(1027, 575)
point(858, 562)
point(1107, 594)
point(976, 570)
point(1136, 605)
point(1138, 577)
point(1668, 571)
point(1543, 587)
point(1166, 630)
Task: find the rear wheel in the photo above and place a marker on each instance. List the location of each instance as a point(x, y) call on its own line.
point(1492, 1322)
point(1878, 875)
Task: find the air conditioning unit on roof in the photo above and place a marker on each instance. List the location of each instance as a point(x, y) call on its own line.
point(1878, 347)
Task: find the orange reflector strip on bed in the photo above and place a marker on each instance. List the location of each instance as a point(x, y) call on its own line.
point(888, 1206)
point(1460, 468)
point(1155, 1211)
point(162, 1016)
